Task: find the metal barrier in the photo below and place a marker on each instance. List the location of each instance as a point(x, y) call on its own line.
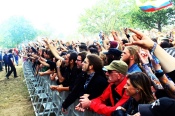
point(45, 101)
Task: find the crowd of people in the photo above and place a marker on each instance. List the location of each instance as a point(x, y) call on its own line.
point(131, 76)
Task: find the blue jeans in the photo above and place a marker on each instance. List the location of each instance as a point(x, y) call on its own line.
point(16, 60)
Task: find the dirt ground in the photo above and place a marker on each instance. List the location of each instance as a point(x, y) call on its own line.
point(14, 97)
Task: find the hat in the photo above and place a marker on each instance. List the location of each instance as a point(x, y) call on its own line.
point(113, 44)
point(83, 46)
point(118, 65)
point(161, 107)
point(113, 51)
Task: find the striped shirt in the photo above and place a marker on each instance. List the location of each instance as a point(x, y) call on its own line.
point(170, 51)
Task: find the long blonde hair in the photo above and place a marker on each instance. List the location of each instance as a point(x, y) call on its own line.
point(133, 51)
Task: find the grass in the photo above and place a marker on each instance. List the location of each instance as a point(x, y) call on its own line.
point(14, 96)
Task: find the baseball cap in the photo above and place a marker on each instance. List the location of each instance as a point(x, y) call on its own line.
point(113, 51)
point(113, 44)
point(161, 107)
point(118, 65)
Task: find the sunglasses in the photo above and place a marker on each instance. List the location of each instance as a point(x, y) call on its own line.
point(78, 60)
point(111, 71)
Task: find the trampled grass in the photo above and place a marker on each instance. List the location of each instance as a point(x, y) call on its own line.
point(14, 97)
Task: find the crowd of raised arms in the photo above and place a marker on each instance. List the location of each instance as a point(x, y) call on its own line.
point(112, 77)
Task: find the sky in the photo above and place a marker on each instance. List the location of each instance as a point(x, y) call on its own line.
point(60, 15)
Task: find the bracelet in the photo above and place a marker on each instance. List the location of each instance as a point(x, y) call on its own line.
point(159, 73)
point(58, 66)
point(154, 47)
point(145, 64)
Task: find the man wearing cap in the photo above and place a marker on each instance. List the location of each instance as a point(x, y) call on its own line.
point(113, 54)
point(0, 60)
point(114, 93)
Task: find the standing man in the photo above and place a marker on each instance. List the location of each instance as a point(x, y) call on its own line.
point(5, 59)
point(11, 64)
point(0, 60)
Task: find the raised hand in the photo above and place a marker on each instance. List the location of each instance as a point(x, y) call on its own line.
point(143, 56)
point(46, 40)
point(141, 40)
point(59, 62)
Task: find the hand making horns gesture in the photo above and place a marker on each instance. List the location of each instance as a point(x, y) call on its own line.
point(141, 40)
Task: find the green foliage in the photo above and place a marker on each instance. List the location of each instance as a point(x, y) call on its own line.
point(103, 16)
point(109, 15)
point(15, 30)
point(155, 20)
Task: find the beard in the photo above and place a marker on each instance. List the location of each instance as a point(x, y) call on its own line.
point(127, 61)
point(109, 60)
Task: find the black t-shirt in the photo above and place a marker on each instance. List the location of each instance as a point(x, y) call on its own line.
point(70, 76)
point(52, 65)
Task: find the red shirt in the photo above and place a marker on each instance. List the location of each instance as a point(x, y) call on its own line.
point(98, 104)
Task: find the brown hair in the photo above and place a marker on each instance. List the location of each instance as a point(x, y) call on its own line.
point(96, 61)
point(83, 55)
point(141, 81)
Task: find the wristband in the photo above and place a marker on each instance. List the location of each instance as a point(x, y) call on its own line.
point(145, 64)
point(154, 47)
point(58, 66)
point(159, 73)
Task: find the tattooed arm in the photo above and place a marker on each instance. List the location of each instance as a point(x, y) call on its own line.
point(167, 84)
point(144, 54)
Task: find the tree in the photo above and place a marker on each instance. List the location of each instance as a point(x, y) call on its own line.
point(16, 30)
point(114, 14)
point(155, 20)
point(106, 16)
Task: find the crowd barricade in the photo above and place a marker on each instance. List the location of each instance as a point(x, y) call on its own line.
point(45, 101)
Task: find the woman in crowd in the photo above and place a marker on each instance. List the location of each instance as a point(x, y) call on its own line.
point(138, 87)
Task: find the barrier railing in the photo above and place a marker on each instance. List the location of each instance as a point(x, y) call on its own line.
point(45, 101)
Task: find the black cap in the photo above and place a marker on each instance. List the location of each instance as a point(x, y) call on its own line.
point(113, 51)
point(161, 107)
